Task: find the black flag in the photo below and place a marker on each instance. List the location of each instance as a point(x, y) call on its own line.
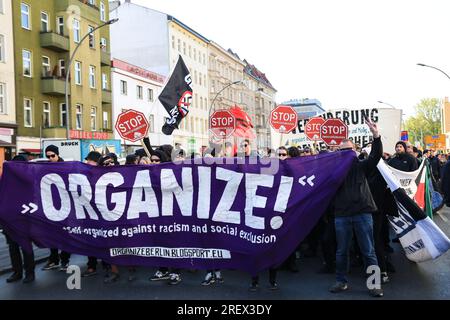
point(176, 96)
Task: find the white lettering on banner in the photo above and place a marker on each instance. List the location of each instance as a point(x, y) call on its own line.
point(81, 200)
point(204, 189)
point(170, 187)
point(118, 198)
point(111, 204)
point(50, 211)
point(143, 186)
point(172, 253)
point(252, 182)
point(223, 212)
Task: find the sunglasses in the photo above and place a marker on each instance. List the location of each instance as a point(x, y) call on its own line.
point(282, 154)
point(244, 145)
point(345, 149)
point(51, 156)
point(155, 160)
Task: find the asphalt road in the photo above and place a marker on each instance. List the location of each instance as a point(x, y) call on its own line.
point(429, 280)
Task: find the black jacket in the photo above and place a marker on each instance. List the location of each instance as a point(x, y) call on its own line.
point(353, 196)
point(404, 162)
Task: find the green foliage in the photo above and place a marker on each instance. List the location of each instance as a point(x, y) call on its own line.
point(427, 120)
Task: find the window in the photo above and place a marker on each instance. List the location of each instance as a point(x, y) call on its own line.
point(123, 87)
point(2, 98)
point(173, 42)
point(195, 54)
point(184, 48)
point(104, 81)
point(139, 92)
point(93, 118)
point(76, 30)
point(204, 59)
point(27, 65)
point(195, 77)
point(150, 95)
point(102, 12)
point(204, 80)
point(1, 6)
point(79, 116)
point(91, 2)
point(63, 113)
point(2, 48)
point(62, 68)
point(78, 73)
point(151, 123)
point(25, 16)
point(46, 117)
point(60, 25)
point(201, 103)
point(103, 45)
point(27, 113)
point(46, 72)
point(190, 52)
point(179, 45)
point(200, 78)
point(91, 37)
point(92, 77)
point(105, 120)
point(44, 22)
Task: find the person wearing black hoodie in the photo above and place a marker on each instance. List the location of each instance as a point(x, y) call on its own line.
point(402, 160)
point(19, 264)
point(52, 154)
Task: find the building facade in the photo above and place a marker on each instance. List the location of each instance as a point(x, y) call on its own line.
point(306, 108)
point(8, 126)
point(46, 33)
point(138, 89)
point(264, 103)
point(158, 39)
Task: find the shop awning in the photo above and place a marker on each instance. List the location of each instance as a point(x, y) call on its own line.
point(6, 144)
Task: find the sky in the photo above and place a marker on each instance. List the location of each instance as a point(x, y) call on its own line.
point(346, 53)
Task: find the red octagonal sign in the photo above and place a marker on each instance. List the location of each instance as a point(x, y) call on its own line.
point(284, 119)
point(333, 131)
point(222, 124)
point(132, 125)
point(312, 128)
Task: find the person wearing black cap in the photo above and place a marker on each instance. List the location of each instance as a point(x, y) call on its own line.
point(52, 154)
point(18, 264)
point(402, 160)
point(92, 158)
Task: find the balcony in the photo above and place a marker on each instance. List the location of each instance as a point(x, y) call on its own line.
point(105, 58)
point(55, 42)
point(106, 97)
point(53, 86)
point(54, 132)
point(88, 11)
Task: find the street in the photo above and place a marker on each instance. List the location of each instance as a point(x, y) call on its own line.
point(427, 281)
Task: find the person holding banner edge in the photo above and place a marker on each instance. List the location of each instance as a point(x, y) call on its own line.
point(354, 205)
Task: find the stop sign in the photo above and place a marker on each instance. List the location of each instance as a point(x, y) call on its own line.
point(283, 119)
point(333, 131)
point(132, 125)
point(312, 128)
point(222, 124)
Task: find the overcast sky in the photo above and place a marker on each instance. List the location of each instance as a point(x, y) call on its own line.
point(346, 53)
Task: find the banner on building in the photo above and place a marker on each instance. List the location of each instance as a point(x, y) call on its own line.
point(197, 216)
point(387, 120)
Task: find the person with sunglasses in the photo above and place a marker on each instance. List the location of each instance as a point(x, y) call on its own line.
point(52, 154)
point(282, 153)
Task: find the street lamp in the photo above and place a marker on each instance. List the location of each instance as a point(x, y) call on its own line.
point(218, 93)
point(424, 65)
point(68, 72)
point(388, 104)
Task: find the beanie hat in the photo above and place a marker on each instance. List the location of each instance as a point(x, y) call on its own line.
point(52, 148)
point(402, 143)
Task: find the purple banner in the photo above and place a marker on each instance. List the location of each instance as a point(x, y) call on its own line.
point(187, 215)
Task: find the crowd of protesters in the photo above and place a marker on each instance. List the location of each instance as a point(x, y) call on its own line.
point(353, 229)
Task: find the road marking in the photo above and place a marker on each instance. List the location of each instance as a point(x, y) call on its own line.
point(443, 217)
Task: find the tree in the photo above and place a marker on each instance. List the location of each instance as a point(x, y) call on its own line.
point(427, 120)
